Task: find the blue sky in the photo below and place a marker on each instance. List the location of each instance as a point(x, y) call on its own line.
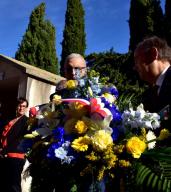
point(106, 23)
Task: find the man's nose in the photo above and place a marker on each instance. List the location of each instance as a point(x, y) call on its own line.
point(73, 72)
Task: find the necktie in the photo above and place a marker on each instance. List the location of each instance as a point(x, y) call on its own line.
point(156, 90)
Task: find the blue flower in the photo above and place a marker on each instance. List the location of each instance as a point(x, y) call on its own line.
point(115, 134)
point(58, 133)
point(51, 149)
point(112, 90)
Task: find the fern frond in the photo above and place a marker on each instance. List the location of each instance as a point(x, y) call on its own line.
point(151, 178)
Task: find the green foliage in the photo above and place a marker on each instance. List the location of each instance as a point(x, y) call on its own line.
point(168, 21)
point(156, 172)
point(146, 18)
point(73, 34)
point(117, 69)
point(38, 44)
point(125, 100)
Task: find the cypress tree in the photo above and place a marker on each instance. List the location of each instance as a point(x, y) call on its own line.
point(146, 18)
point(157, 17)
point(168, 21)
point(136, 22)
point(38, 44)
point(73, 34)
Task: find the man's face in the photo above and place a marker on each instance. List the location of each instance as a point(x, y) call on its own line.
point(74, 65)
point(140, 65)
point(21, 108)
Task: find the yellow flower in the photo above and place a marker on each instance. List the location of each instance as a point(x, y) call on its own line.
point(143, 132)
point(101, 140)
point(81, 144)
point(80, 127)
point(90, 91)
point(76, 106)
point(71, 84)
point(101, 173)
point(109, 157)
point(124, 163)
point(135, 146)
point(93, 156)
point(57, 99)
point(164, 134)
point(76, 110)
point(109, 97)
point(119, 148)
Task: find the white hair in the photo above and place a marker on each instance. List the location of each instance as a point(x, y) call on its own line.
point(74, 55)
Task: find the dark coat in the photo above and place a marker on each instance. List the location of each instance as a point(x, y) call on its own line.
point(14, 136)
point(154, 102)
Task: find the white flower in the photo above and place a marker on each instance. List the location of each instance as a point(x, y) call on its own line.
point(81, 82)
point(140, 114)
point(60, 153)
point(155, 116)
point(147, 124)
point(140, 107)
point(150, 136)
point(140, 118)
point(95, 79)
point(66, 144)
point(68, 159)
point(155, 124)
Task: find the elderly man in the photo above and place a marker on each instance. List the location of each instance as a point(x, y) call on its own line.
point(152, 62)
point(74, 63)
point(74, 69)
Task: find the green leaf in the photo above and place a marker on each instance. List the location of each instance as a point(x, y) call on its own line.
point(145, 173)
point(165, 184)
point(149, 182)
point(159, 184)
point(154, 182)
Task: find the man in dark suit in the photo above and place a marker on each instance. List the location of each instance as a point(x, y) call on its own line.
point(152, 62)
point(11, 154)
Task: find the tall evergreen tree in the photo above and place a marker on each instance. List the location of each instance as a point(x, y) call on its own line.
point(73, 34)
point(168, 21)
point(38, 44)
point(146, 19)
point(158, 18)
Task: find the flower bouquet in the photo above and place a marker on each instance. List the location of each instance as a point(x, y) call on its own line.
point(82, 142)
point(74, 138)
point(151, 159)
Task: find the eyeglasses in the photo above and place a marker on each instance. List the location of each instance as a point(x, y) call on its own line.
point(22, 106)
point(75, 68)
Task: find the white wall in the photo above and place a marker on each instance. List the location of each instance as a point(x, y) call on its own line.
point(38, 92)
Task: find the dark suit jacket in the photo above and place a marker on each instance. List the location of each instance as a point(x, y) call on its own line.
point(155, 103)
point(14, 136)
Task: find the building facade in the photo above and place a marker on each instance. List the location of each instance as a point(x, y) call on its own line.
point(18, 79)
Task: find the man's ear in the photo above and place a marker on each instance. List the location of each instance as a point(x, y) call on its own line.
point(151, 55)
